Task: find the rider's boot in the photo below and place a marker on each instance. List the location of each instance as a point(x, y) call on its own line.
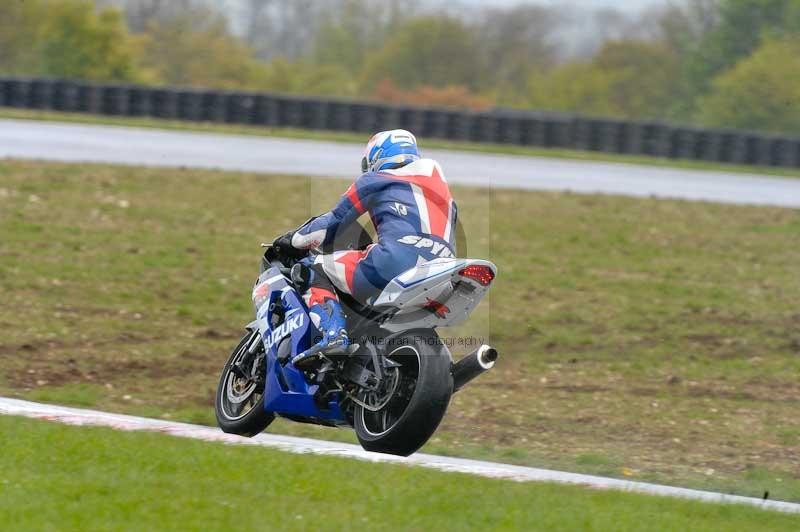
point(333, 331)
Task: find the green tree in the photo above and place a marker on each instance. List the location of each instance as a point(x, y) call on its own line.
point(303, 77)
point(742, 27)
point(761, 92)
point(626, 79)
point(65, 38)
point(355, 27)
point(196, 48)
point(436, 51)
point(573, 87)
point(324, 80)
point(20, 31)
point(80, 42)
point(337, 46)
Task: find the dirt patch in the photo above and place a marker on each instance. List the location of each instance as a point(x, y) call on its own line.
point(216, 334)
point(32, 347)
point(40, 348)
point(56, 363)
point(108, 371)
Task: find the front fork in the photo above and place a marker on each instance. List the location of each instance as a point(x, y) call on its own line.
point(240, 368)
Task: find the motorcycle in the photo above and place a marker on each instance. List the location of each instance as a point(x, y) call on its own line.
point(395, 385)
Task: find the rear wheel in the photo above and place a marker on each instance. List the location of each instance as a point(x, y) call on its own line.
point(239, 403)
point(419, 391)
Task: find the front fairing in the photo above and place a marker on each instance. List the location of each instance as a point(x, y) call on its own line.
point(283, 318)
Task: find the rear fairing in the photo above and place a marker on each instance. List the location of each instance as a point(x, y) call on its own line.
point(432, 295)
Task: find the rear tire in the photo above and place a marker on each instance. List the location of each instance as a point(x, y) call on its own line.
point(411, 417)
point(239, 406)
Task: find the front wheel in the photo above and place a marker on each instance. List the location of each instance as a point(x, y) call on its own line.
point(421, 392)
point(240, 394)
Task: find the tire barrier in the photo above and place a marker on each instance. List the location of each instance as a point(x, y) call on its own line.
point(501, 126)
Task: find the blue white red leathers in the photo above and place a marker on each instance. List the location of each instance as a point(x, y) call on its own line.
point(414, 217)
point(409, 203)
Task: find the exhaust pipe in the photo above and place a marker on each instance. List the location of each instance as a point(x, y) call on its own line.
point(472, 365)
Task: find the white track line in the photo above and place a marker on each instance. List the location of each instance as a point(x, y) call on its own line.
point(75, 416)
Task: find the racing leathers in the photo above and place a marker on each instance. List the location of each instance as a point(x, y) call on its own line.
point(415, 220)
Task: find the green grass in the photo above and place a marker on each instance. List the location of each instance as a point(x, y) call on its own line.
point(426, 143)
point(56, 477)
point(645, 339)
point(77, 394)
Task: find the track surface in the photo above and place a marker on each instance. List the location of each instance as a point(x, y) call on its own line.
point(74, 416)
point(151, 147)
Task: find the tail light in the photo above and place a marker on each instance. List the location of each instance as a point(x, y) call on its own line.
point(483, 274)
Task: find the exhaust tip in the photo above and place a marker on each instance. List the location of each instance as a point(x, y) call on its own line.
point(487, 355)
point(473, 365)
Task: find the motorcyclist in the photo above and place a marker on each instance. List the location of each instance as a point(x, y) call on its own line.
point(409, 203)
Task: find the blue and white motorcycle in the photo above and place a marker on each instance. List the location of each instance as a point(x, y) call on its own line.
point(393, 389)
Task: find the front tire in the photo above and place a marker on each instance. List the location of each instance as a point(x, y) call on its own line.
point(239, 404)
point(419, 403)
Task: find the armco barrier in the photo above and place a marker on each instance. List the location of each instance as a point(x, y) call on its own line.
point(524, 128)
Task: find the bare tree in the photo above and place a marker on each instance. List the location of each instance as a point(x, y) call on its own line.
point(517, 39)
point(683, 24)
point(281, 27)
point(139, 13)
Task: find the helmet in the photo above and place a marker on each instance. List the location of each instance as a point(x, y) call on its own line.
point(388, 150)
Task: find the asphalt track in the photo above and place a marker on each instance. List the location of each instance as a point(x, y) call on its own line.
point(151, 147)
point(74, 416)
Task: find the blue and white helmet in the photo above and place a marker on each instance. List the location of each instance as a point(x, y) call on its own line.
point(388, 150)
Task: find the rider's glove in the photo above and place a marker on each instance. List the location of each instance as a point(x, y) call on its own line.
point(283, 245)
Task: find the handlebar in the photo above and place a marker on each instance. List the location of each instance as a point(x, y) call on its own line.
point(273, 258)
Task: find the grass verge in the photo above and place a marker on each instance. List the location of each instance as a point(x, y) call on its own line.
point(427, 143)
point(645, 339)
point(99, 479)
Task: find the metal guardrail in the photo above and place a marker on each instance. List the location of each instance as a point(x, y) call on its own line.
point(523, 128)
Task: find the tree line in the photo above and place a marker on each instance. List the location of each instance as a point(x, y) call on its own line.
point(721, 63)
